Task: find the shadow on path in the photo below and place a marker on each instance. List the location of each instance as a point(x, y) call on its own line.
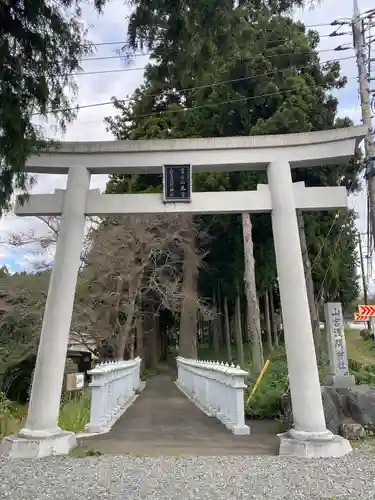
point(163, 421)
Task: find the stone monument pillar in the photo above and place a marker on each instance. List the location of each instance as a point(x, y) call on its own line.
point(338, 358)
point(309, 437)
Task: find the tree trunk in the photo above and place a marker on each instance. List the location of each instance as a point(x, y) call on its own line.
point(238, 329)
point(210, 334)
point(227, 331)
point(315, 324)
point(139, 340)
point(153, 345)
point(215, 329)
point(273, 318)
point(221, 326)
point(150, 336)
point(267, 321)
point(254, 333)
point(164, 344)
point(130, 345)
point(188, 320)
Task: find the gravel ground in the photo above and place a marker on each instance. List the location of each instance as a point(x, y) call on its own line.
point(206, 478)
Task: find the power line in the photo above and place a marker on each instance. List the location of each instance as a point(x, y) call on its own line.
point(158, 113)
point(334, 222)
point(336, 215)
point(190, 88)
point(137, 54)
point(142, 68)
point(272, 56)
point(343, 227)
point(322, 25)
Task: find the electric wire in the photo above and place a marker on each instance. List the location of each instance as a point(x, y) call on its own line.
point(185, 109)
point(243, 58)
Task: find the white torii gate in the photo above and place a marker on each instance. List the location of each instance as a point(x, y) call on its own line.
point(277, 154)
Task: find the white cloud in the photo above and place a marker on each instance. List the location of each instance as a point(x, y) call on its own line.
point(97, 88)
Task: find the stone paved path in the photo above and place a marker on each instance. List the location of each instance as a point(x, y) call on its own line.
point(162, 421)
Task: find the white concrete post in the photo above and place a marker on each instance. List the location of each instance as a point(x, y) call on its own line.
point(309, 435)
point(302, 366)
point(338, 357)
point(43, 413)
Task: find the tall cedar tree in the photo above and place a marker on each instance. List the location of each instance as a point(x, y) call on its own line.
point(224, 71)
point(41, 44)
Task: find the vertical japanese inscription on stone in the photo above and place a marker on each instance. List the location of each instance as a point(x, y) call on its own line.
point(339, 339)
point(337, 346)
point(177, 183)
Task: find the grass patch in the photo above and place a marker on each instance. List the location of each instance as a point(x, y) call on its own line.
point(369, 443)
point(361, 354)
point(360, 350)
point(12, 417)
point(75, 411)
point(83, 452)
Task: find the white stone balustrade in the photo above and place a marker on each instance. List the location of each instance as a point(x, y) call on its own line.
point(113, 384)
point(217, 389)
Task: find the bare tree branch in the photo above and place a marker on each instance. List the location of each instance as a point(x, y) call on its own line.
point(132, 258)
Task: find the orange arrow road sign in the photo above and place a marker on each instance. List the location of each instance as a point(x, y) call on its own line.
point(366, 310)
point(360, 317)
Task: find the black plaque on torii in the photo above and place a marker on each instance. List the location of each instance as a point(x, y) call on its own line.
point(177, 183)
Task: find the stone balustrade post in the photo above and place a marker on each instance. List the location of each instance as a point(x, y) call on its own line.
point(108, 392)
point(98, 400)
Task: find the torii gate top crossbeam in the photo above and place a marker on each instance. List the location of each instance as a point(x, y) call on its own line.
point(326, 147)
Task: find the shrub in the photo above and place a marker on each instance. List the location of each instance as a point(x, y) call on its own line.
point(365, 334)
point(21, 377)
point(363, 373)
point(354, 366)
point(267, 401)
point(75, 411)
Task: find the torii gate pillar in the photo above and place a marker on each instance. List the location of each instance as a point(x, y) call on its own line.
point(309, 436)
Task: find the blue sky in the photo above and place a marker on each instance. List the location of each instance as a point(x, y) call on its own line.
point(111, 27)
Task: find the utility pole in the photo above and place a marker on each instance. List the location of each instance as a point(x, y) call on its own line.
point(362, 269)
point(358, 27)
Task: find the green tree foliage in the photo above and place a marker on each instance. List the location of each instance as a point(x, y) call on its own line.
point(41, 44)
point(225, 71)
point(22, 299)
point(4, 271)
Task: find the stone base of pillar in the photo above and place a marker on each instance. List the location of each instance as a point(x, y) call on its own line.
point(97, 429)
point(240, 430)
point(340, 381)
point(22, 447)
point(313, 447)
